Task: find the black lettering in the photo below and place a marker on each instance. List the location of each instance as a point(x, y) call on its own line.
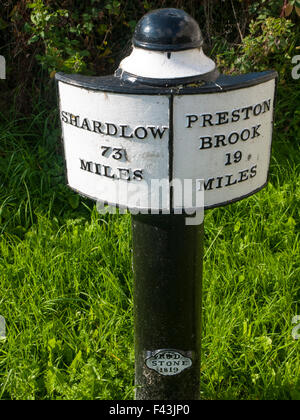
point(157, 130)
point(220, 138)
point(233, 141)
point(123, 132)
point(85, 125)
point(207, 119)
point(191, 119)
point(219, 178)
point(255, 132)
point(74, 119)
point(208, 184)
point(144, 131)
point(243, 136)
point(64, 116)
point(229, 181)
point(205, 141)
point(108, 132)
point(107, 169)
point(257, 109)
point(223, 118)
point(138, 174)
point(243, 175)
point(235, 116)
point(125, 172)
point(247, 109)
point(96, 127)
point(98, 169)
point(267, 105)
point(118, 153)
point(86, 166)
point(253, 171)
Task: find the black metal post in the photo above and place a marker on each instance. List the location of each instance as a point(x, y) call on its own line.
point(167, 264)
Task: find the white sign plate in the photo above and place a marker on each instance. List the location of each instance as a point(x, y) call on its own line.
point(224, 139)
point(117, 144)
point(114, 144)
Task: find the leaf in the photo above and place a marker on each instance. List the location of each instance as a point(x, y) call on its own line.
point(291, 223)
point(237, 226)
point(3, 24)
point(33, 39)
point(51, 343)
point(77, 360)
point(50, 378)
point(288, 9)
point(73, 201)
point(32, 5)
point(102, 29)
point(106, 52)
point(27, 27)
point(84, 53)
point(297, 10)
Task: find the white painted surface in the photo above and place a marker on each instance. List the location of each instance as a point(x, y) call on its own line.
point(156, 64)
point(113, 155)
point(194, 159)
point(149, 155)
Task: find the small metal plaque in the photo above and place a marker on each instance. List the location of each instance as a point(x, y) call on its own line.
point(168, 362)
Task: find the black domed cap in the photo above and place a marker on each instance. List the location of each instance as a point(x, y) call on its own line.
point(167, 30)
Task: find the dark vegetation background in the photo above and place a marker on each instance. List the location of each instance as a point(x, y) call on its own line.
point(90, 37)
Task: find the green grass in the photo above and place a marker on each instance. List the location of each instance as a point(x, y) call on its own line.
point(66, 279)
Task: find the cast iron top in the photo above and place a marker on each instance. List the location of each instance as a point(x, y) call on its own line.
point(167, 30)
